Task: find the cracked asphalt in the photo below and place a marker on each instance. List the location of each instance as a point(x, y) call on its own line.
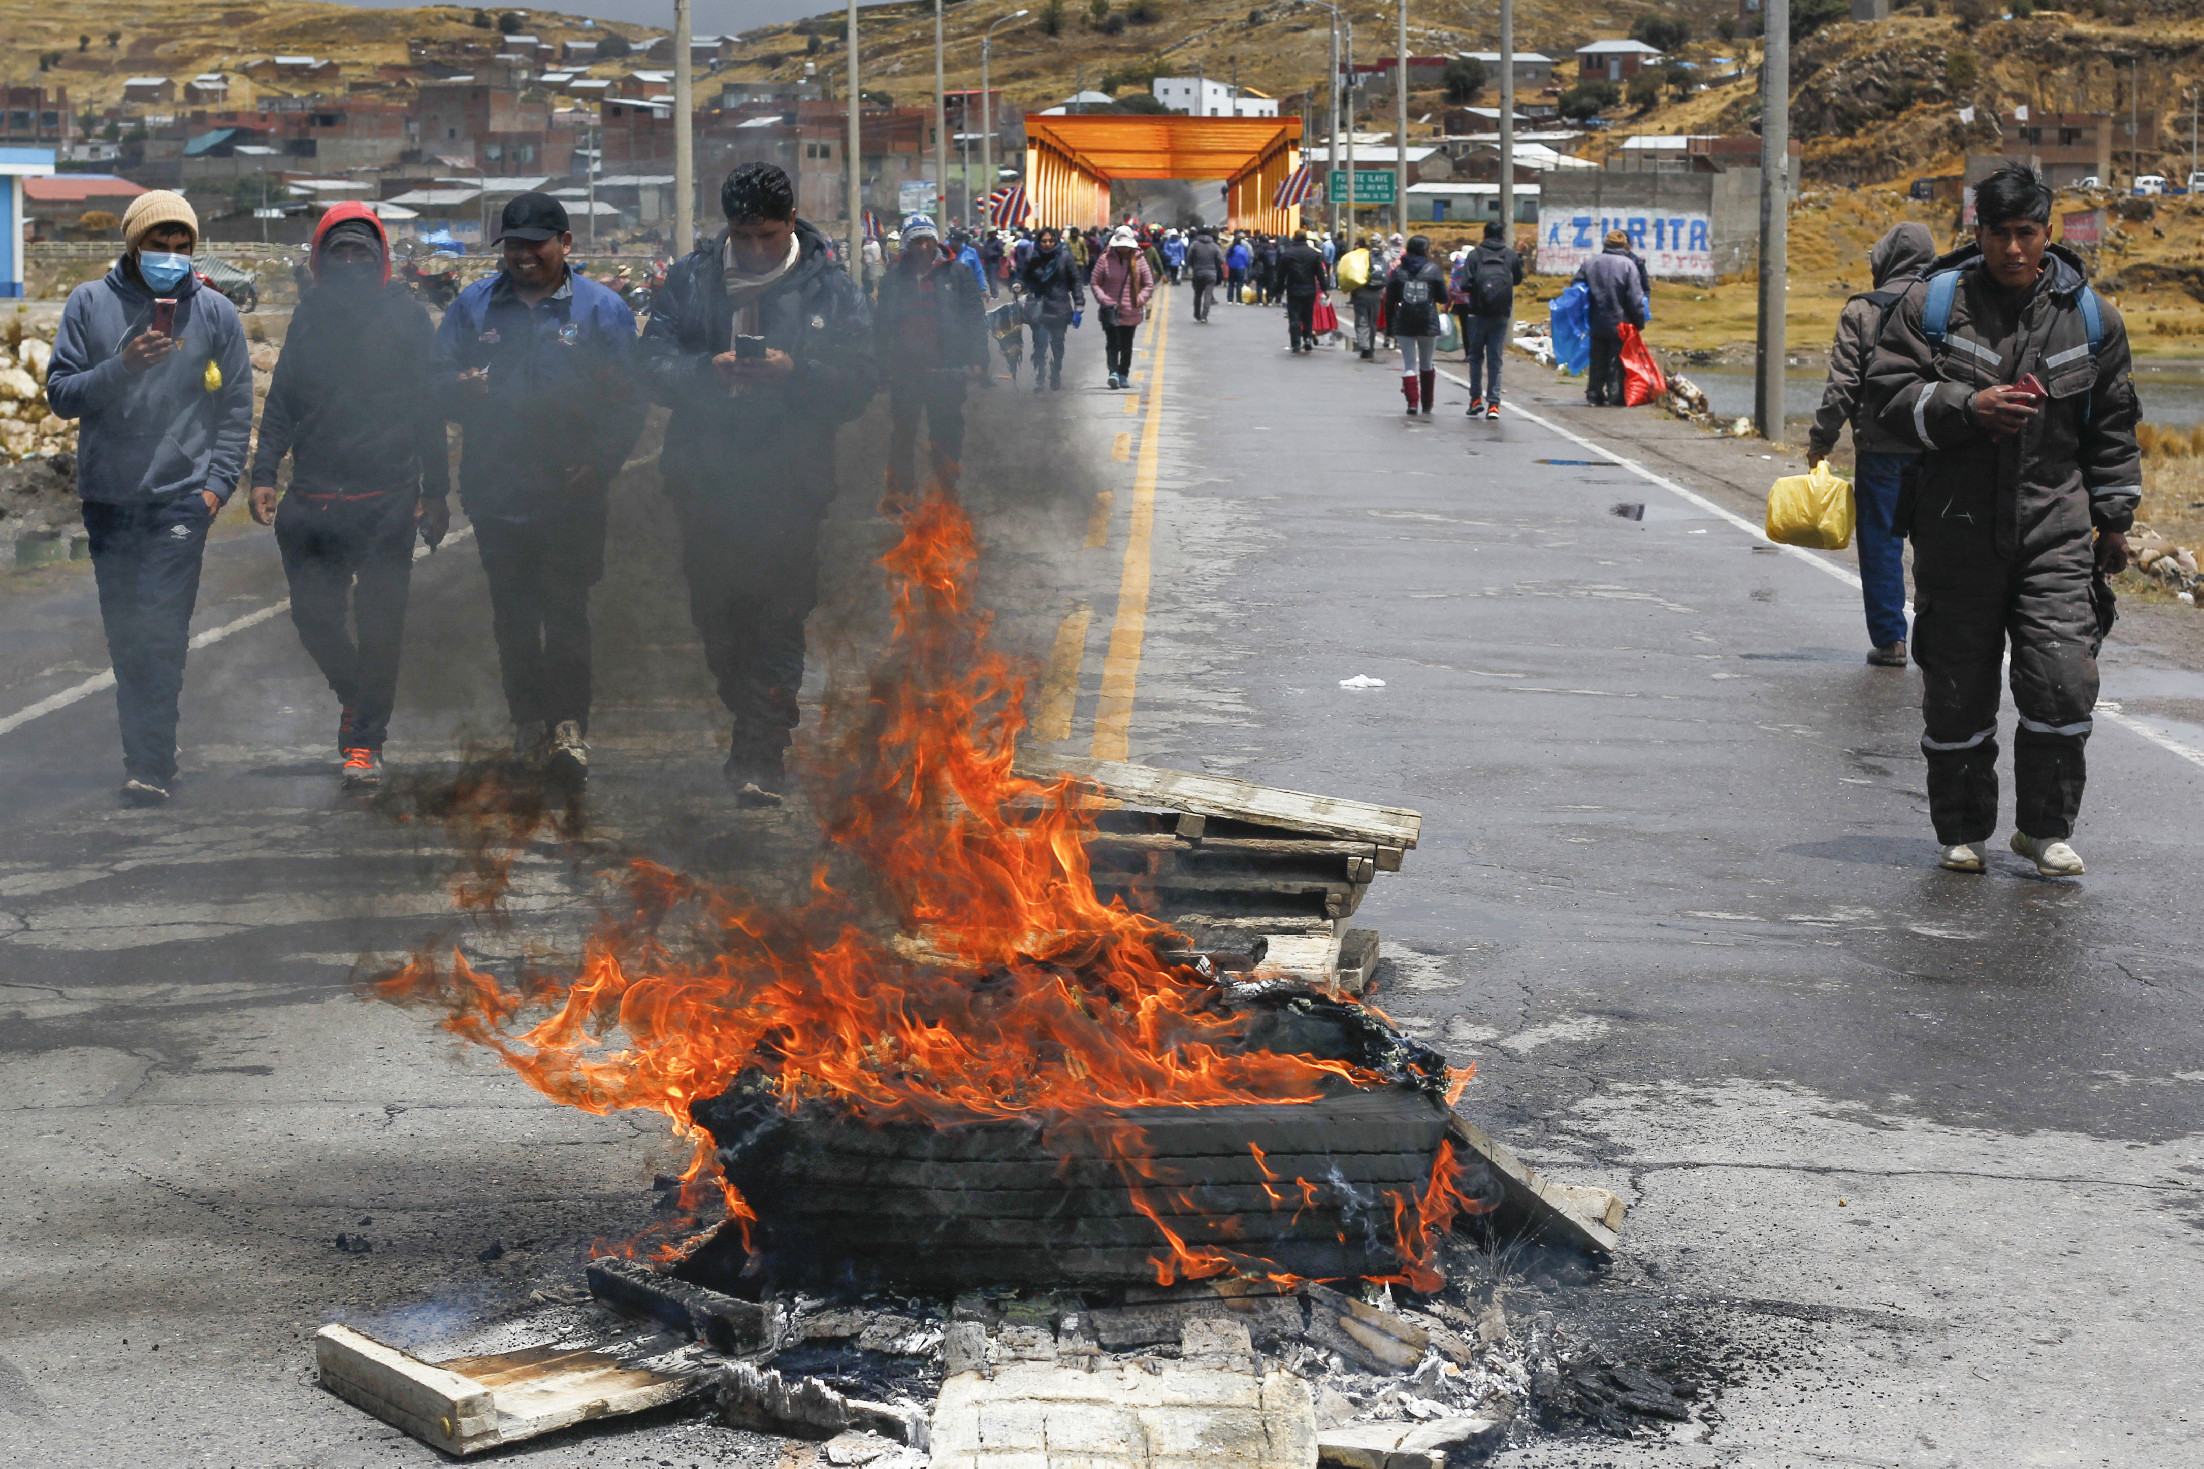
point(1927, 1145)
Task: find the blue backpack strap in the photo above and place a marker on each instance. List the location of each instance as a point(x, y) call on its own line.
point(2093, 320)
point(1936, 311)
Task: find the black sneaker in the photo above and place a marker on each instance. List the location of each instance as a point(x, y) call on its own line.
point(138, 792)
point(757, 784)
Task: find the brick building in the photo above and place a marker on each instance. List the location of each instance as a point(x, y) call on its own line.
point(35, 116)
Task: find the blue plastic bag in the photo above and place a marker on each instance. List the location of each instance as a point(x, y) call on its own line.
point(1571, 314)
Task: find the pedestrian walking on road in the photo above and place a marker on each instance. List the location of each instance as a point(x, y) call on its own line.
point(2011, 376)
point(1302, 278)
point(1269, 286)
point(1880, 462)
point(154, 366)
point(1122, 285)
point(1486, 284)
point(1055, 302)
point(762, 348)
point(1237, 260)
point(931, 330)
point(536, 363)
point(1205, 261)
point(1615, 290)
point(1365, 288)
point(350, 403)
point(1415, 299)
point(1174, 254)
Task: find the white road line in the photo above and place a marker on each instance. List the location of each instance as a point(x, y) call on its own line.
point(2126, 721)
point(76, 693)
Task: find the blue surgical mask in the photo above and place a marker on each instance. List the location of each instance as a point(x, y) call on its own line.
point(163, 269)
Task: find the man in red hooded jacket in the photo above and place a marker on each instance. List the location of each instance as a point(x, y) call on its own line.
point(351, 405)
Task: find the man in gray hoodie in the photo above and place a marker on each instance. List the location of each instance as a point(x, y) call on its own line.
point(155, 366)
point(1880, 460)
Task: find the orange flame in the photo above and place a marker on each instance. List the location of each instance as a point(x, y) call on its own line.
point(1013, 991)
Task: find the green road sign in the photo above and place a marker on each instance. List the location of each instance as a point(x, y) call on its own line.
point(1372, 185)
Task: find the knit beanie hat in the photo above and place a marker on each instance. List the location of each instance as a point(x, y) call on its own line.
point(1617, 240)
point(152, 209)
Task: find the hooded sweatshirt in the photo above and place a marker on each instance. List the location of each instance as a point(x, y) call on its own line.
point(179, 428)
point(1897, 261)
point(350, 401)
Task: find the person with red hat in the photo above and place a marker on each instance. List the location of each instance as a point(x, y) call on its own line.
point(350, 405)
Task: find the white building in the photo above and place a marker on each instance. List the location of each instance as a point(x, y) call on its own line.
point(1202, 97)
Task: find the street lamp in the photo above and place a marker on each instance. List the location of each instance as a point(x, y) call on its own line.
point(856, 163)
point(1331, 153)
point(987, 110)
point(941, 125)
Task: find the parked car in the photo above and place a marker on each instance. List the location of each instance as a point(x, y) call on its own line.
point(239, 285)
point(2150, 183)
point(2092, 182)
point(2196, 181)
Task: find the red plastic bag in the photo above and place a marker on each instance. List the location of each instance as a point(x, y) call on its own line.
point(1323, 318)
point(1641, 375)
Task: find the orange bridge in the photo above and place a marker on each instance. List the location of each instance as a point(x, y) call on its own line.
point(1071, 159)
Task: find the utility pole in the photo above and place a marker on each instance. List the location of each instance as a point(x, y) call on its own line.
point(684, 154)
point(1507, 120)
point(941, 126)
point(1347, 24)
point(987, 111)
point(596, 151)
point(856, 163)
point(1331, 108)
point(1775, 199)
point(1400, 135)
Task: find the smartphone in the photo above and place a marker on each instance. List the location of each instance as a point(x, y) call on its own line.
point(164, 316)
point(749, 346)
point(2033, 388)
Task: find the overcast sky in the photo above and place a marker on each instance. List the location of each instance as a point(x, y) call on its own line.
point(708, 17)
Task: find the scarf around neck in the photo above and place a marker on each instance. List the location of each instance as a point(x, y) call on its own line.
point(743, 288)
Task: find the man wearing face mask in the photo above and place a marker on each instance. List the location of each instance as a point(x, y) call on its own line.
point(536, 365)
point(351, 405)
point(155, 366)
point(762, 347)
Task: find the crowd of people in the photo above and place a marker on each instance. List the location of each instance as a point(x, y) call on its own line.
point(2014, 471)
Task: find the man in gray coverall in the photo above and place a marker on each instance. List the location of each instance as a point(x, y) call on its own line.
point(2028, 481)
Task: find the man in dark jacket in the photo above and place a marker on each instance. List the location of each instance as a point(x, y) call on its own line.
point(1415, 299)
point(931, 326)
point(1486, 283)
point(155, 366)
point(1054, 298)
point(1616, 291)
point(1880, 462)
point(2029, 476)
point(350, 403)
point(1205, 262)
point(536, 365)
point(1302, 275)
point(1267, 283)
point(762, 348)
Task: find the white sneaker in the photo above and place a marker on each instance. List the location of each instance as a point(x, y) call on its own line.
point(568, 757)
point(2053, 857)
point(1966, 857)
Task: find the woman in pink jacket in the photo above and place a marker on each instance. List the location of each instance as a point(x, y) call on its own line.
point(1122, 284)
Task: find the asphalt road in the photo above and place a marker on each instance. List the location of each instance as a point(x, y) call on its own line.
point(1676, 900)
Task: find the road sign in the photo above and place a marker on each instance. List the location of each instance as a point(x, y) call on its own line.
point(1372, 185)
point(267, 214)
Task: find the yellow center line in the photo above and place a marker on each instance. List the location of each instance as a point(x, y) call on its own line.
point(1060, 684)
point(1098, 520)
point(1113, 714)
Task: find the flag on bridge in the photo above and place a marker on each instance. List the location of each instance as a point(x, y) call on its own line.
point(1006, 208)
point(1294, 189)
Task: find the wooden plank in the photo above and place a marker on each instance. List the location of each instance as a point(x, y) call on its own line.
point(1358, 957)
point(442, 1408)
point(1596, 1204)
point(541, 1389)
point(729, 1325)
point(1529, 1205)
point(1311, 958)
point(1227, 799)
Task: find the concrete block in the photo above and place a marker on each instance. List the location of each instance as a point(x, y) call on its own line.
point(1036, 1415)
point(1405, 1445)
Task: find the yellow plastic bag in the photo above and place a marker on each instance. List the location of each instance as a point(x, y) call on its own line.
point(1247, 295)
point(1813, 510)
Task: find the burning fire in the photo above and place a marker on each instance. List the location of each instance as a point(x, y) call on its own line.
point(1013, 993)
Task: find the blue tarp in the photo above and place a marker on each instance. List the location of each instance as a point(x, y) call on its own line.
point(1571, 314)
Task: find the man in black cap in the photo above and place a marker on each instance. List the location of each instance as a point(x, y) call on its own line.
point(351, 405)
point(761, 346)
point(536, 364)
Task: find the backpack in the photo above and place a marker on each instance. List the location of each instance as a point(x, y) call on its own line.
point(1944, 289)
point(1491, 285)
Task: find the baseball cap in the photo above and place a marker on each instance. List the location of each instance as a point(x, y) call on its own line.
point(532, 217)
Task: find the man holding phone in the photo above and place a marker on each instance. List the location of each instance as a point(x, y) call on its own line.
point(536, 363)
point(2011, 376)
point(155, 366)
point(761, 345)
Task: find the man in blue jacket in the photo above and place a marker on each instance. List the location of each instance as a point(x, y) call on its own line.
point(762, 347)
point(537, 364)
point(1615, 291)
point(155, 366)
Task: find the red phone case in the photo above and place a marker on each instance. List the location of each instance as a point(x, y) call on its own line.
point(2033, 388)
point(164, 316)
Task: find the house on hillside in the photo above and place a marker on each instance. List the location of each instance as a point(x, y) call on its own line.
point(55, 203)
point(34, 115)
point(1531, 69)
point(1615, 61)
point(2065, 147)
point(208, 89)
point(1202, 97)
point(148, 91)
